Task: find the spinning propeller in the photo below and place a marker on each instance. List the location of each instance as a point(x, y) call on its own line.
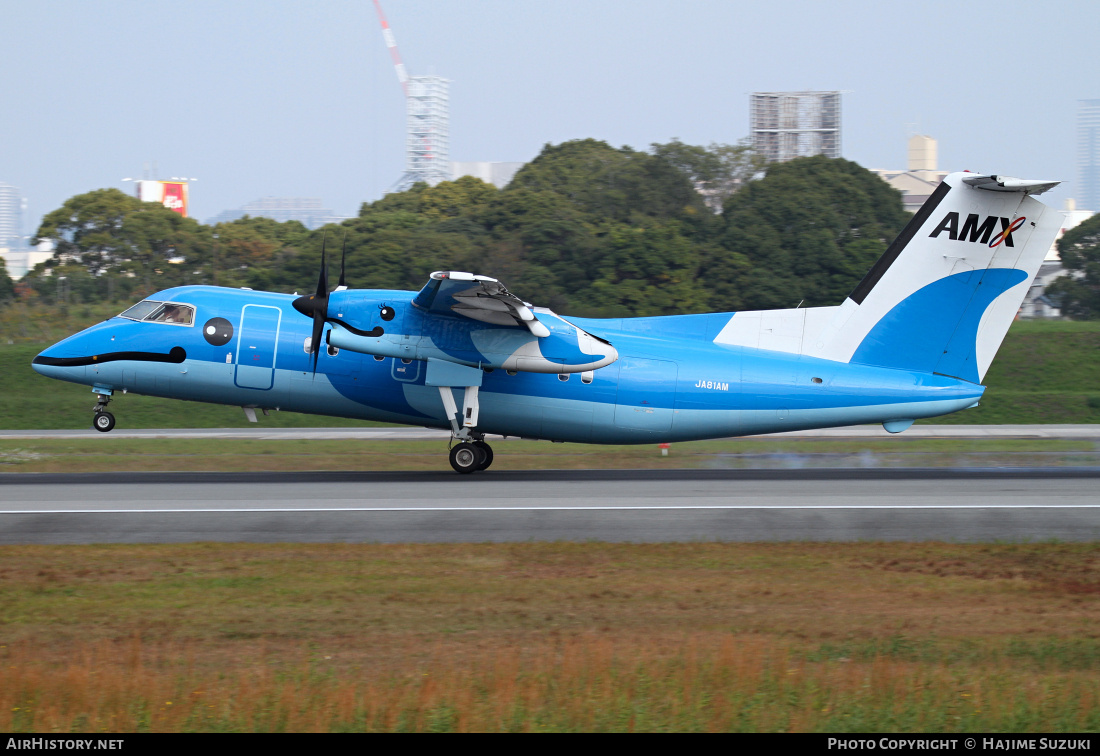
point(316, 305)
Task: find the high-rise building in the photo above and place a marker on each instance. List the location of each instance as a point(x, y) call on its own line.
point(427, 132)
point(11, 217)
point(1088, 154)
point(921, 176)
point(786, 125)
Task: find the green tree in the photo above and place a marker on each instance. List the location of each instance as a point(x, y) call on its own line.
point(585, 228)
point(1078, 293)
point(7, 286)
point(618, 184)
point(451, 199)
point(112, 236)
point(251, 251)
point(88, 229)
point(807, 232)
point(717, 171)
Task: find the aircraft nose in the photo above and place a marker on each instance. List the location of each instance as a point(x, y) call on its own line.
point(66, 359)
point(51, 366)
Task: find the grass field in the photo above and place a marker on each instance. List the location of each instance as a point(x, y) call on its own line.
point(1046, 372)
point(591, 636)
point(110, 454)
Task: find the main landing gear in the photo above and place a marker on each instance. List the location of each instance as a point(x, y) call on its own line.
point(471, 456)
point(102, 420)
point(471, 453)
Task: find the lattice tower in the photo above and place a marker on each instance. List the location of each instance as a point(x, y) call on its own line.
point(427, 120)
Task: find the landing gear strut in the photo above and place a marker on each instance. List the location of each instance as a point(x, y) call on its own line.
point(472, 453)
point(102, 420)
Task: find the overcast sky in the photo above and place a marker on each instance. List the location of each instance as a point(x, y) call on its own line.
point(287, 98)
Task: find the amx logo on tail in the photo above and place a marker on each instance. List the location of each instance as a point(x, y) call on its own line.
point(984, 233)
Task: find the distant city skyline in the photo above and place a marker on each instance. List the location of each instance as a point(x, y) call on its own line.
point(309, 211)
point(279, 98)
point(1088, 154)
point(11, 216)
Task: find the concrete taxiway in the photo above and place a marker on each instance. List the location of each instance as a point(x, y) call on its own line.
point(969, 505)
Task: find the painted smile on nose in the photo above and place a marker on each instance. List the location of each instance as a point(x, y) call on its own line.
point(175, 356)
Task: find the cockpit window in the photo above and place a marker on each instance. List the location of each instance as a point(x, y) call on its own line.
point(171, 312)
point(161, 312)
point(140, 310)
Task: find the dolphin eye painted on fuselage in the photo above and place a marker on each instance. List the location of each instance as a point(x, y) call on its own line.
point(386, 312)
point(217, 331)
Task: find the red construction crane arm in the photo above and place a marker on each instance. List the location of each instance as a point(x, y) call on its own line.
point(391, 43)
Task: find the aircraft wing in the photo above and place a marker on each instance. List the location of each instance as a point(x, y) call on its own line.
point(479, 298)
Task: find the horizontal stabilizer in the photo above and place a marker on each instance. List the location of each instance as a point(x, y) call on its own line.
point(1009, 184)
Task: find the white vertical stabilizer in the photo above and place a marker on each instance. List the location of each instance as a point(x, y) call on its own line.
point(942, 296)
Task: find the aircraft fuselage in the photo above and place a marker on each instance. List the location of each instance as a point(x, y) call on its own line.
point(671, 382)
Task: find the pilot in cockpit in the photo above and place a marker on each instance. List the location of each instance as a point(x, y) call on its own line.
point(174, 314)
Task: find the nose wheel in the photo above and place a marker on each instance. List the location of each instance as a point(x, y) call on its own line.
point(103, 421)
point(469, 457)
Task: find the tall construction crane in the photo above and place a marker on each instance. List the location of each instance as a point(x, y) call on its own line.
point(428, 116)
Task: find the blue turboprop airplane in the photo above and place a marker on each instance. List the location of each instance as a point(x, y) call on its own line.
point(913, 340)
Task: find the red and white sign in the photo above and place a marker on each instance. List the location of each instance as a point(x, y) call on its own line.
point(171, 194)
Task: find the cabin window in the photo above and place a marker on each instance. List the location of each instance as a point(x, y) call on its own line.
point(816, 380)
point(563, 377)
point(378, 358)
point(586, 376)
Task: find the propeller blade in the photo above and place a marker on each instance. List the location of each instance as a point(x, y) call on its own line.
point(315, 306)
point(315, 343)
point(322, 278)
point(343, 258)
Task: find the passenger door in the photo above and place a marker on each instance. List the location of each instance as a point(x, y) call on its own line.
point(256, 346)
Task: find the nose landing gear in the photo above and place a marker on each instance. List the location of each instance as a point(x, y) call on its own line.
point(102, 420)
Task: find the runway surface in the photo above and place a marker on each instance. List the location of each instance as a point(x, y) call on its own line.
point(605, 505)
point(1090, 432)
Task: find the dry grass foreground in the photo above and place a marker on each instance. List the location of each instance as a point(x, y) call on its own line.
point(593, 636)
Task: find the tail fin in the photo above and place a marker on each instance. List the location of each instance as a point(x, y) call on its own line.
point(943, 296)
